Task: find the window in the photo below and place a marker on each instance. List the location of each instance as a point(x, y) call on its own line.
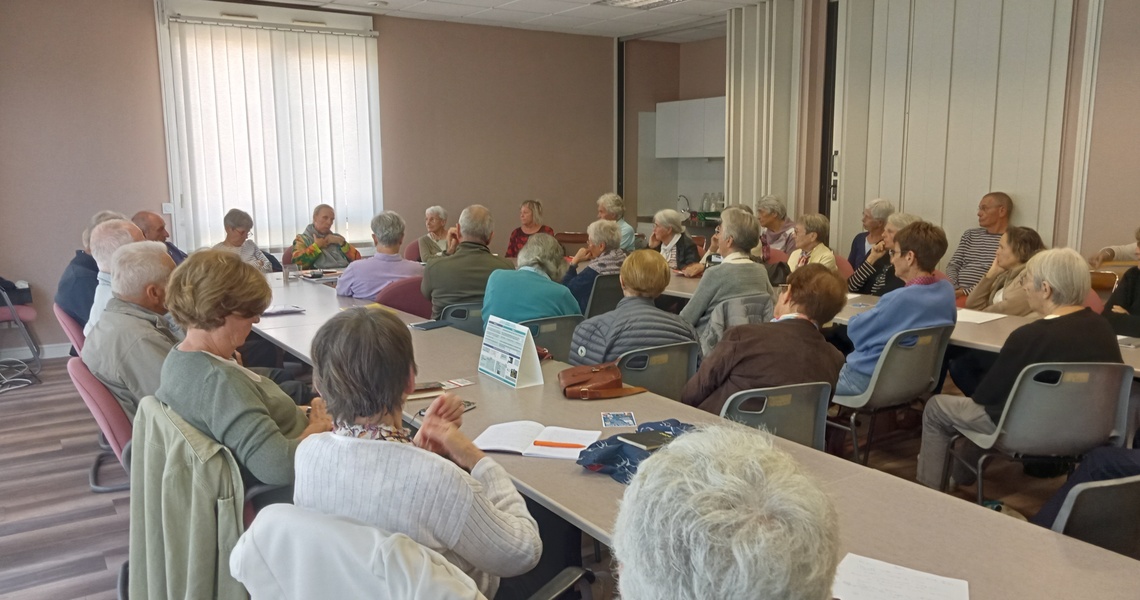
point(271, 119)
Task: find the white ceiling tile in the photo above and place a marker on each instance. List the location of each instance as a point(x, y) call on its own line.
point(500, 15)
point(441, 8)
point(698, 7)
point(616, 28)
point(561, 21)
point(654, 18)
point(479, 3)
point(545, 7)
point(375, 10)
point(594, 11)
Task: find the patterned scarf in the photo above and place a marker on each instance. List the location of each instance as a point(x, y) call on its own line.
point(609, 262)
point(331, 257)
point(373, 432)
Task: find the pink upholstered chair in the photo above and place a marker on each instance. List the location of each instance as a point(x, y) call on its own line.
point(776, 255)
point(1093, 301)
point(412, 251)
point(112, 420)
point(15, 373)
point(405, 295)
point(845, 270)
point(70, 327)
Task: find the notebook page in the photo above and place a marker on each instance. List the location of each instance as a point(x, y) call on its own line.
point(580, 437)
point(862, 578)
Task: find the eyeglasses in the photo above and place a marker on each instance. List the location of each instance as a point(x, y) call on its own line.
point(892, 252)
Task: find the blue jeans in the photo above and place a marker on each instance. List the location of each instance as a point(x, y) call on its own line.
point(851, 382)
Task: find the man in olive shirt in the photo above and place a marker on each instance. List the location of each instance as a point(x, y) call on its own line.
point(462, 277)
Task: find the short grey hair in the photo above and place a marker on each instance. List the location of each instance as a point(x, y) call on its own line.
point(238, 219)
point(742, 227)
point(437, 211)
point(880, 209)
point(544, 253)
point(477, 223)
point(97, 218)
point(818, 224)
point(138, 265)
point(107, 237)
point(362, 360)
point(604, 232)
point(900, 220)
point(774, 205)
point(721, 513)
point(1065, 271)
point(612, 204)
point(320, 207)
point(535, 207)
point(671, 219)
point(388, 227)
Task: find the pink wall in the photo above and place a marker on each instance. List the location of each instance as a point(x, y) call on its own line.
point(703, 69)
point(81, 124)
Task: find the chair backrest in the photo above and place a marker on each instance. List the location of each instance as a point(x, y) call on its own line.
point(909, 366)
point(1105, 514)
point(70, 327)
point(1104, 281)
point(571, 237)
point(741, 310)
point(112, 420)
point(405, 295)
point(554, 334)
point(1093, 301)
point(412, 251)
point(844, 265)
point(287, 256)
point(273, 262)
point(793, 412)
point(286, 545)
point(776, 255)
point(605, 295)
point(1065, 409)
point(663, 370)
point(465, 317)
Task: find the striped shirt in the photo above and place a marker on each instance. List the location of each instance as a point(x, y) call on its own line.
point(972, 258)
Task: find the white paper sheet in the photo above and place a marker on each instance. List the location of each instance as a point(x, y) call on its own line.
point(966, 315)
point(282, 309)
point(853, 296)
point(862, 578)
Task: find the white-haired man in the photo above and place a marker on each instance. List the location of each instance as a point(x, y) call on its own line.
point(126, 348)
point(462, 277)
point(106, 238)
point(77, 285)
point(721, 513)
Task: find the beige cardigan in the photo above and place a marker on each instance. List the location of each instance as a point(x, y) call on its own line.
point(1015, 300)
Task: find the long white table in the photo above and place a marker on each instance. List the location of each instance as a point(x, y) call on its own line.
point(881, 516)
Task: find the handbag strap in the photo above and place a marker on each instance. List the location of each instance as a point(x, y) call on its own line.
point(603, 394)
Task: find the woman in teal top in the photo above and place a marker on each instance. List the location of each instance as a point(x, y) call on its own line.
point(533, 291)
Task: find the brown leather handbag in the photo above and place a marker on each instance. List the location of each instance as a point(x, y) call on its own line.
point(594, 382)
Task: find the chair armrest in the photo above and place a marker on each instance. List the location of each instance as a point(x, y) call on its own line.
point(561, 583)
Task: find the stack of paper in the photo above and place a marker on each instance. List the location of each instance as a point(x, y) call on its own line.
point(966, 315)
point(862, 578)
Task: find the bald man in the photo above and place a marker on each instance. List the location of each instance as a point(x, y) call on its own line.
point(153, 228)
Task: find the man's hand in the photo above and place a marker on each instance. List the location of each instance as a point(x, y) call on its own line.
point(1101, 257)
point(452, 239)
point(335, 239)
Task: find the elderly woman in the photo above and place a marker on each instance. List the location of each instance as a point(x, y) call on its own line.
point(530, 217)
point(670, 239)
point(1056, 283)
point(605, 256)
point(364, 279)
point(532, 291)
point(238, 226)
point(216, 298)
point(925, 301)
point(737, 275)
point(776, 231)
point(318, 247)
point(722, 513)
point(876, 276)
point(433, 244)
point(998, 291)
point(812, 233)
point(612, 208)
point(790, 350)
point(636, 323)
point(437, 488)
point(874, 220)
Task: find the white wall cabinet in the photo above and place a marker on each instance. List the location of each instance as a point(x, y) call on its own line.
point(691, 128)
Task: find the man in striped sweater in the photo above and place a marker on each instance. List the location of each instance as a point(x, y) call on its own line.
point(976, 250)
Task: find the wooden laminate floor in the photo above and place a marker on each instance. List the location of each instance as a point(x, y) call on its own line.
point(59, 540)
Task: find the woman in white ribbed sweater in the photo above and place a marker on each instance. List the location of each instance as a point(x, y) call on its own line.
point(438, 488)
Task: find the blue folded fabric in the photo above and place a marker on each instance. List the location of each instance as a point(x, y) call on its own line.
point(620, 460)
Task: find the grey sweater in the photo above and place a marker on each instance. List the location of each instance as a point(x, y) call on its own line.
point(237, 408)
point(724, 281)
point(633, 325)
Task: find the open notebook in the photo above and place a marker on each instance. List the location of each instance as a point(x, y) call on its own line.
point(528, 438)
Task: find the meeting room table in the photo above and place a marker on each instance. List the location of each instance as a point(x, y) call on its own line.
point(880, 516)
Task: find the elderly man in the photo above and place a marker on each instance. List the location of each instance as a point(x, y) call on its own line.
point(1057, 282)
point(1122, 252)
point(153, 227)
point(76, 289)
point(106, 238)
point(462, 277)
point(612, 208)
point(721, 513)
point(365, 278)
point(126, 348)
point(318, 247)
point(975, 252)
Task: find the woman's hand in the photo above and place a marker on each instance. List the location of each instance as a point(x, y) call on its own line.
point(448, 407)
point(319, 419)
point(995, 269)
point(877, 251)
point(693, 270)
point(334, 239)
point(444, 438)
point(1119, 309)
point(654, 242)
point(583, 254)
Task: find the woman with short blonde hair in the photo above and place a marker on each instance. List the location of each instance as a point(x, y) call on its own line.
point(812, 233)
point(530, 217)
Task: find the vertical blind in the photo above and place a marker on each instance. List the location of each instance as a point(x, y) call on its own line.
point(273, 122)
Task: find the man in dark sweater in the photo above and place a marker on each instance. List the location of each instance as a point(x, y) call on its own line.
point(1057, 282)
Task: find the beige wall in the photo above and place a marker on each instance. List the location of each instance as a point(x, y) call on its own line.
point(703, 69)
point(81, 130)
point(491, 115)
point(652, 75)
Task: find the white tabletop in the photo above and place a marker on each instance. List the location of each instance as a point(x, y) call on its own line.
point(881, 516)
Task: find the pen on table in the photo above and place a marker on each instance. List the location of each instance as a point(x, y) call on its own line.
point(557, 444)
